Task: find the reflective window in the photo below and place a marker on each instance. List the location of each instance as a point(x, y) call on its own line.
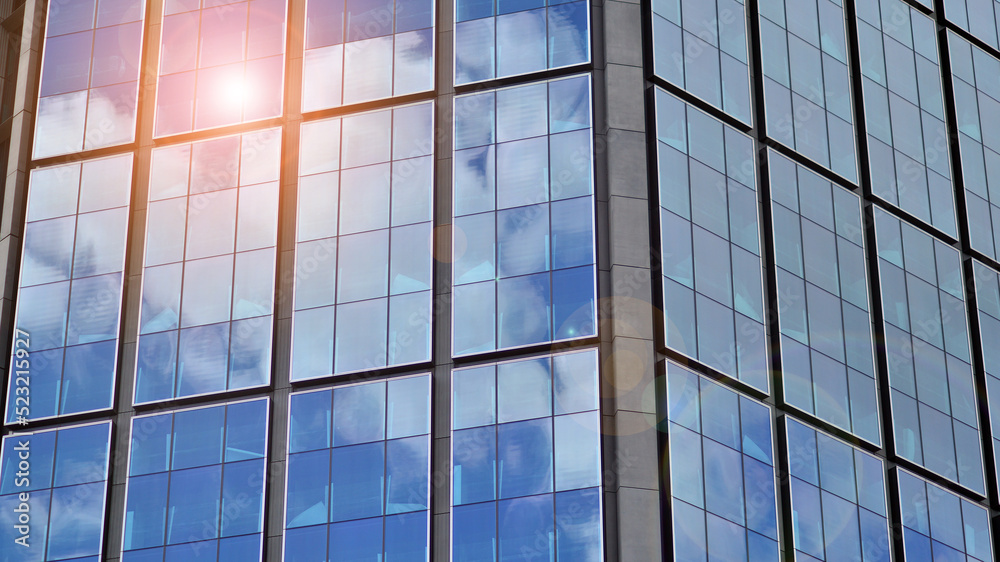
point(934, 412)
point(65, 350)
point(826, 337)
point(196, 484)
point(988, 301)
point(978, 17)
point(526, 468)
point(523, 237)
point(907, 138)
point(361, 50)
point(511, 37)
point(712, 288)
point(977, 104)
point(90, 75)
point(358, 472)
point(838, 498)
point(221, 63)
point(701, 46)
point(52, 490)
point(721, 464)
point(208, 281)
point(807, 92)
point(938, 525)
point(363, 250)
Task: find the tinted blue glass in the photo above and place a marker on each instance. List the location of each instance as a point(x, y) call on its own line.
point(301, 545)
point(726, 489)
point(504, 474)
point(308, 489)
point(829, 521)
point(186, 509)
point(227, 189)
point(954, 525)
point(923, 367)
point(58, 479)
point(522, 220)
point(729, 309)
point(60, 303)
point(367, 472)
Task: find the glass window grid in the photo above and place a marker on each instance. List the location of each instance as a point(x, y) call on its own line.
point(228, 508)
point(904, 111)
point(406, 339)
point(307, 534)
point(488, 411)
point(987, 286)
point(981, 22)
point(337, 64)
point(487, 289)
point(973, 74)
point(940, 525)
point(828, 369)
point(482, 28)
point(690, 278)
point(838, 498)
point(88, 290)
point(78, 513)
point(697, 28)
point(722, 503)
point(182, 183)
point(88, 104)
point(934, 413)
point(250, 81)
point(806, 75)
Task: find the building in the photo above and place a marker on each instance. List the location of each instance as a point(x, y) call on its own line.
point(524, 280)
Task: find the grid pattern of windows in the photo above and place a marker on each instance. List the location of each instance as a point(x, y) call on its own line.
point(712, 288)
point(208, 284)
point(69, 299)
point(362, 50)
point(358, 472)
point(938, 525)
point(196, 484)
point(838, 498)
point(512, 37)
point(978, 17)
point(220, 63)
point(90, 74)
point(907, 138)
point(52, 489)
point(701, 46)
point(807, 92)
point(721, 471)
point(826, 338)
point(977, 105)
point(935, 421)
point(524, 263)
point(526, 470)
point(363, 251)
point(987, 284)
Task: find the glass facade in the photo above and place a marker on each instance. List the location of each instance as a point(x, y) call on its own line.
point(358, 472)
point(713, 298)
point(907, 137)
point(52, 491)
point(827, 354)
point(524, 265)
point(69, 297)
point(90, 76)
point(526, 460)
point(693, 280)
point(363, 247)
point(196, 484)
point(722, 473)
point(935, 421)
